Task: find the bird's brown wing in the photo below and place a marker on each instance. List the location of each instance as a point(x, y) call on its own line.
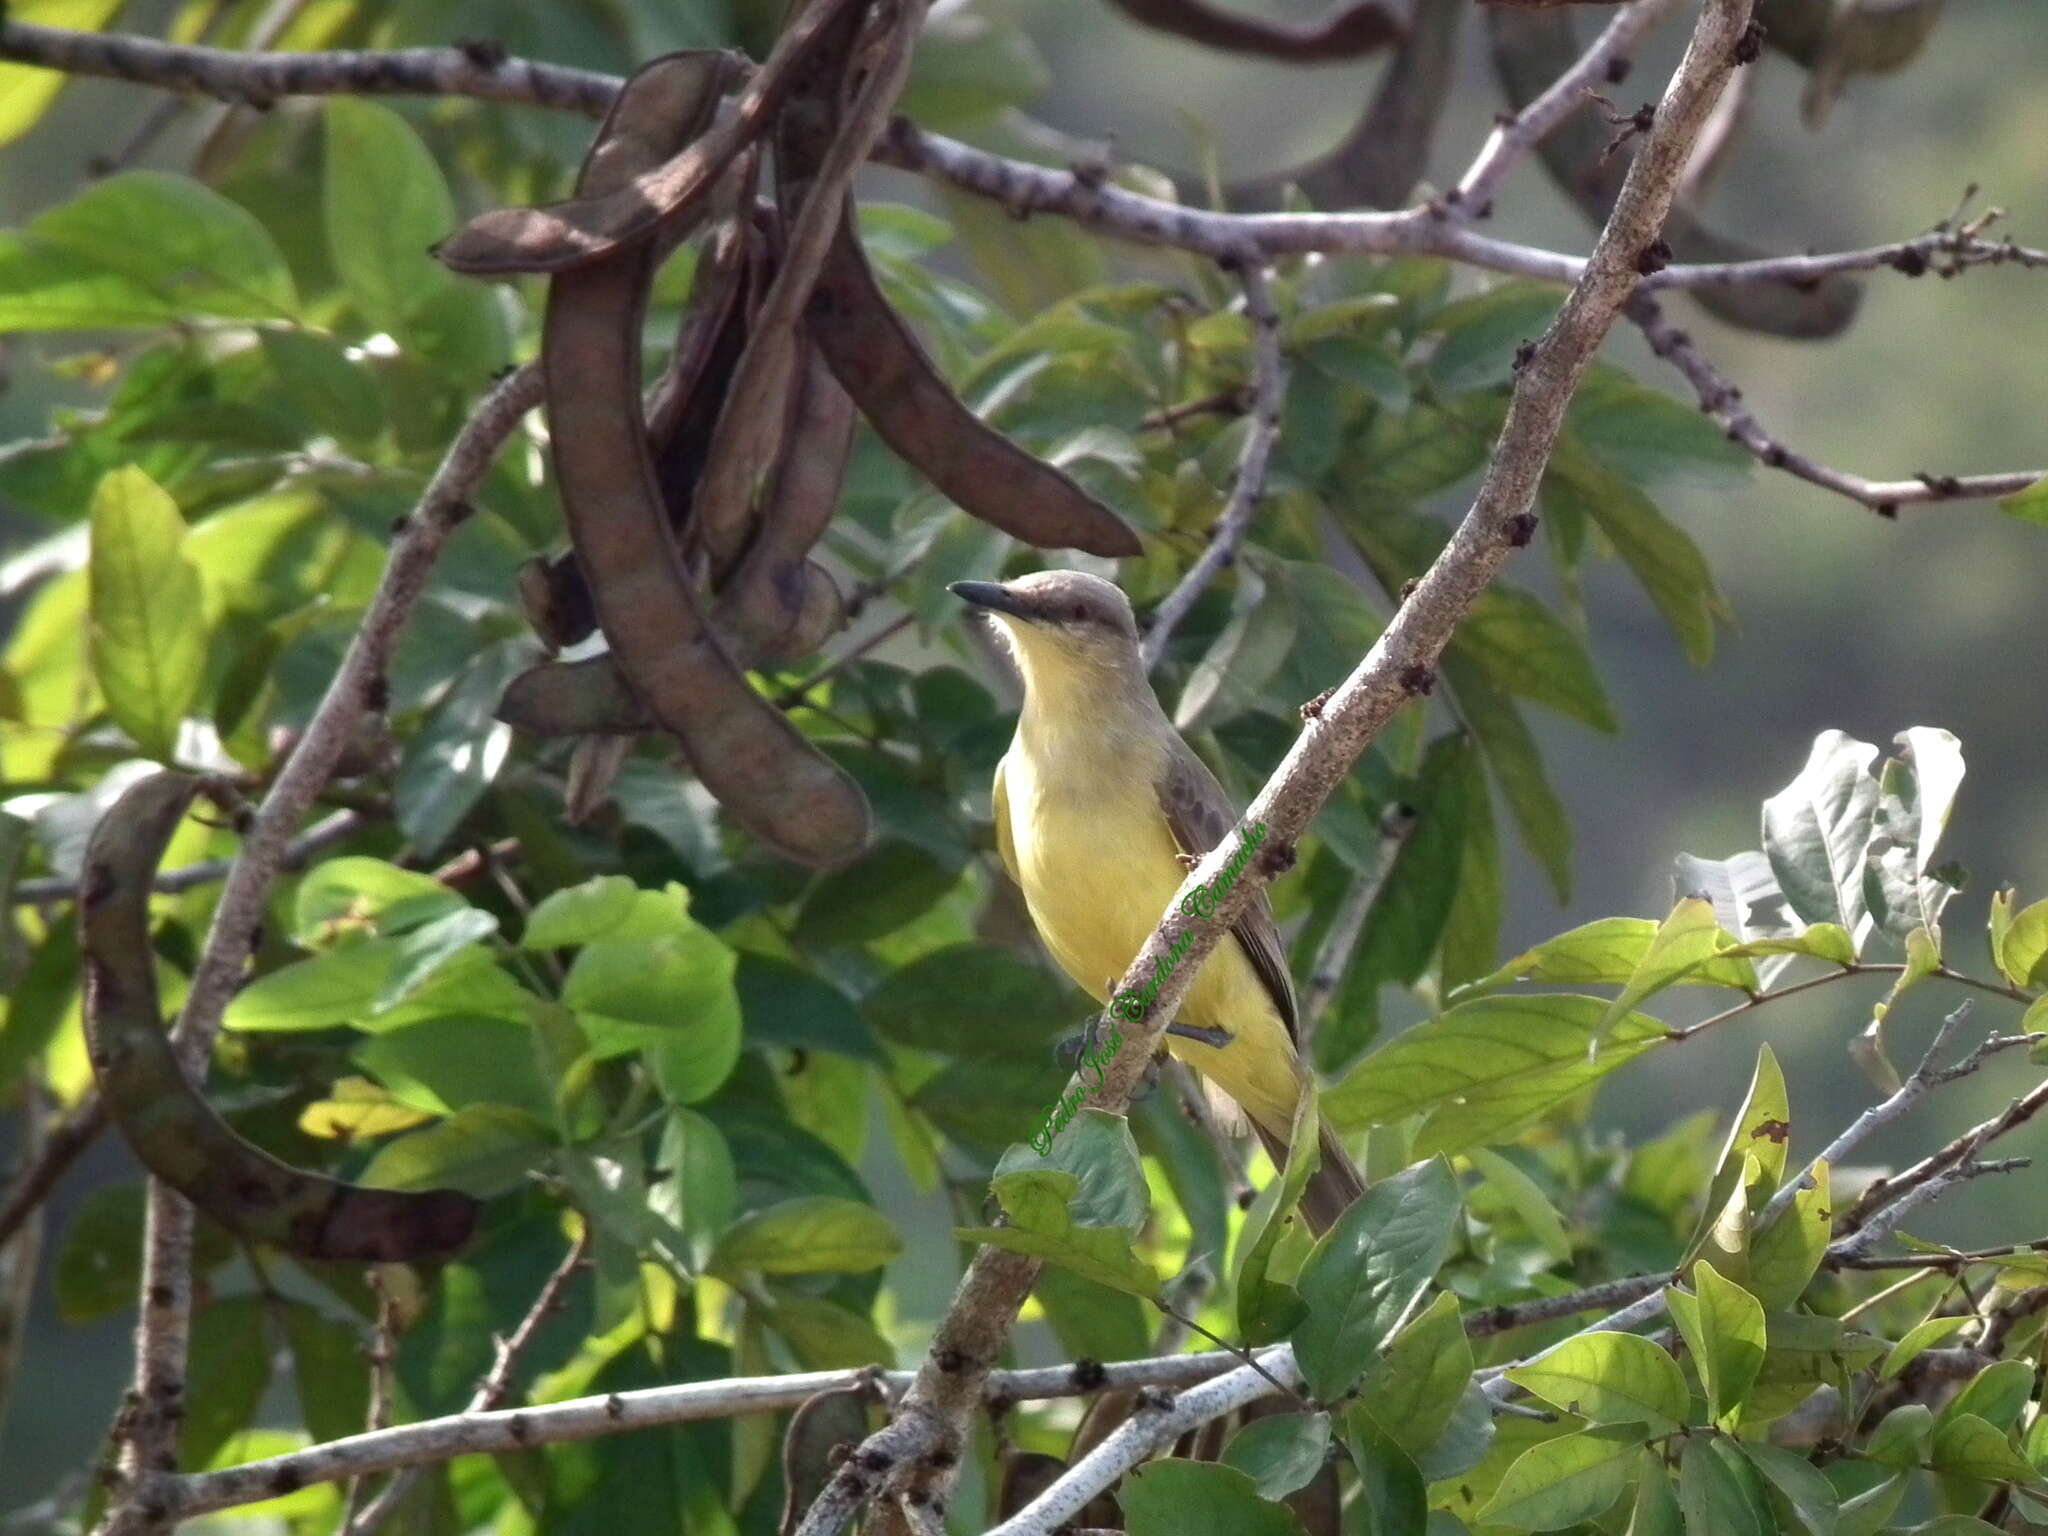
point(1200, 814)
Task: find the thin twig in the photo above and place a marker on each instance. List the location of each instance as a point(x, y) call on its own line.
point(497, 1385)
point(319, 837)
point(588, 1418)
point(1719, 398)
point(1160, 1419)
point(382, 1355)
point(1950, 1260)
point(358, 683)
point(1022, 187)
point(57, 1152)
point(1925, 1079)
point(1250, 1360)
point(1398, 669)
point(1885, 1191)
point(1269, 394)
point(20, 1251)
point(1333, 957)
point(1516, 134)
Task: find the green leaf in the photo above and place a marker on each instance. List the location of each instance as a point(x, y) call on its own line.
point(607, 907)
point(1683, 942)
point(148, 616)
point(27, 91)
point(1902, 1438)
point(1465, 1442)
point(1369, 1269)
point(338, 986)
point(1390, 1486)
point(1761, 1131)
point(1816, 828)
point(1234, 673)
point(1036, 1201)
point(1092, 1321)
point(1865, 1514)
point(385, 204)
point(1528, 1200)
point(823, 1335)
point(230, 1370)
point(1648, 435)
point(1606, 952)
point(178, 242)
point(1720, 1493)
point(328, 1370)
point(1916, 790)
point(1970, 1446)
point(1610, 1378)
point(483, 1150)
point(1665, 560)
point(1486, 1068)
point(967, 999)
point(1415, 1385)
point(1333, 626)
point(672, 996)
point(1724, 1328)
point(1997, 1394)
point(1526, 650)
point(351, 893)
point(1656, 1511)
point(1280, 1452)
point(1918, 1340)
point(2023, 948)
point(1482, 334)
point(455, 757)
point(701, 1189)
point(1407, 918)
point(1097, 1148)
point(1799, 1483)
point(429, 947)
point(1517, 768)
point(2029, 505)
point(1194, 1498)
point(317, 378)
point(1784, 1255)
point(1266, 1309)
point(1561, 1482)
point(808, 1235)
point(1424, 451)
point(452, 1062)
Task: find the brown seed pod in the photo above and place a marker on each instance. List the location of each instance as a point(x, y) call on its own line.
point(1532, 48)
point(899, 390)
point(573, 698)
point(1026, 1474)
point(750, 433)
point(173, 1130)
point(773, 781)
point(777, 603)
point(609, 214)
point(822, 1425)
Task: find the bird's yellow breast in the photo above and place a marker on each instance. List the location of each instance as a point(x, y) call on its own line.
point(1098, 864)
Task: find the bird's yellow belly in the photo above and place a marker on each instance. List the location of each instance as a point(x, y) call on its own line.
point(1098, 870)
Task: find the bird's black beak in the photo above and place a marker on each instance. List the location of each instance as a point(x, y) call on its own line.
point(991, 595)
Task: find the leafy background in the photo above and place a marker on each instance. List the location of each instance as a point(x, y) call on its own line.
point(1842, 620)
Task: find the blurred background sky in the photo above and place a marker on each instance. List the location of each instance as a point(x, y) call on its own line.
point(1844, 620)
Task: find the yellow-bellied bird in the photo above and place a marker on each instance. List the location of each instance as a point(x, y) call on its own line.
point(1095, 803)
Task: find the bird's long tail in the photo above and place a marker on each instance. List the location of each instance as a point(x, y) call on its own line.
point(1331, 1188)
